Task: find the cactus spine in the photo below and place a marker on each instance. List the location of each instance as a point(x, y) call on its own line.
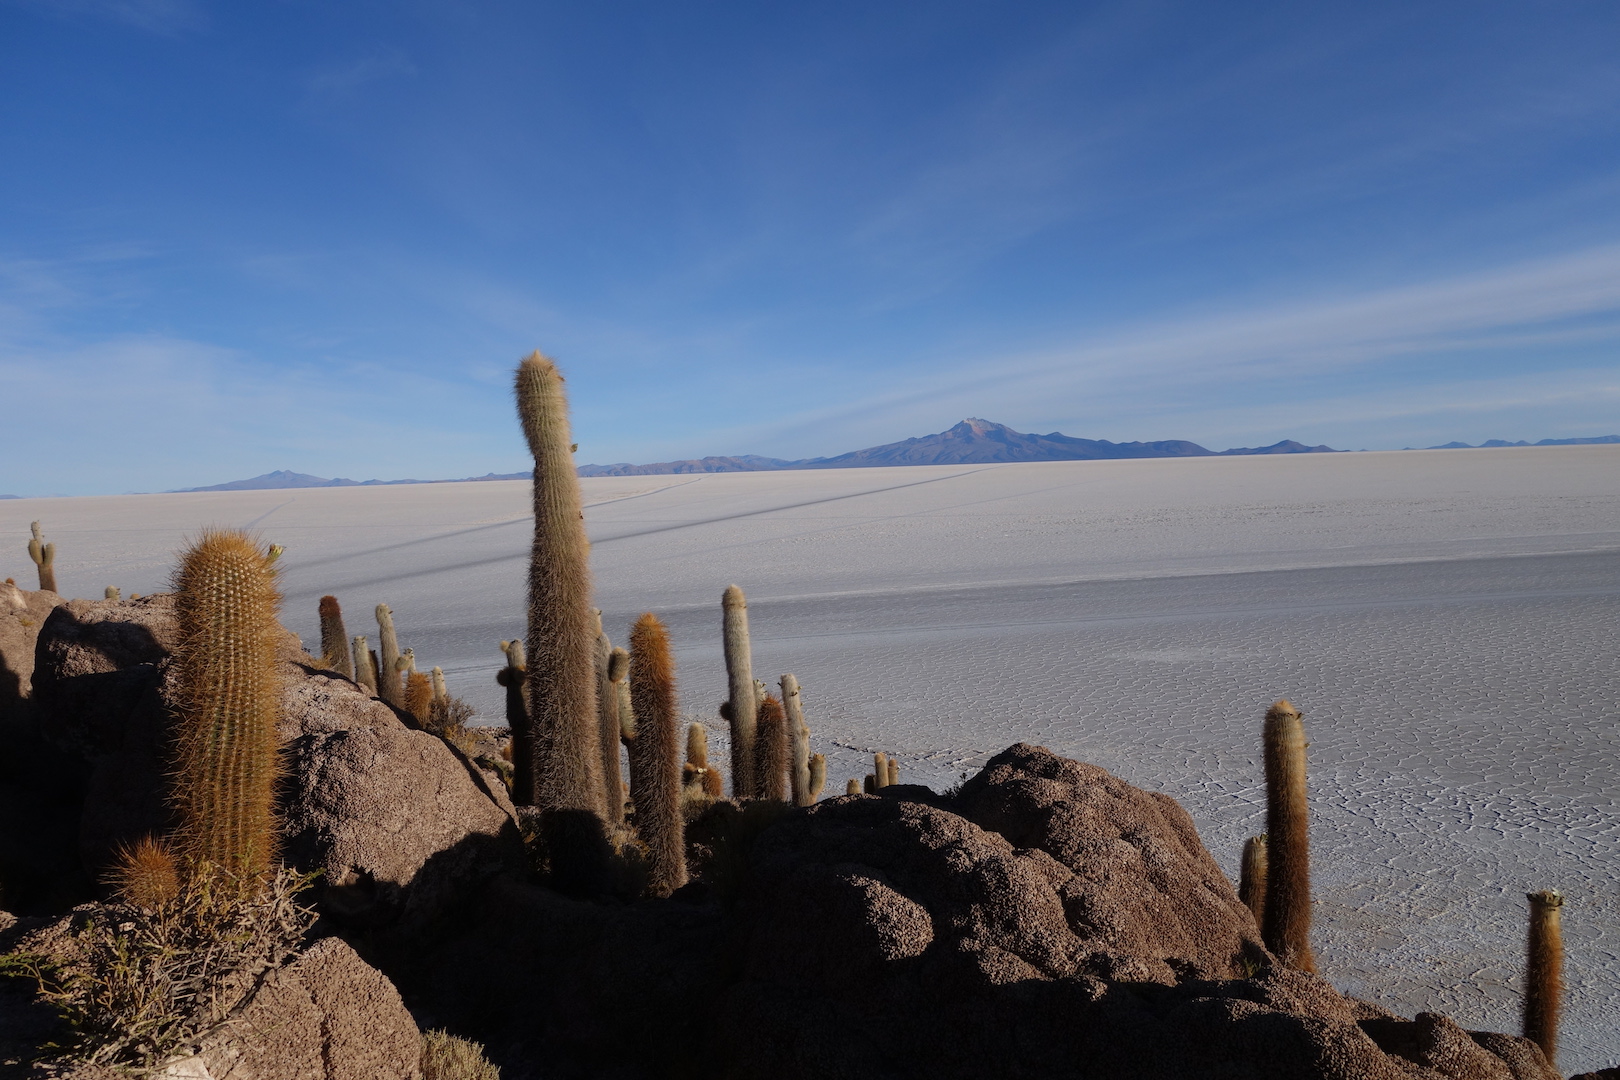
point(228, 691)
point(655, 772)
point(562, 627)
point(607, 728)
point(1287, 926)
point(1252, 877)
point(512, 677)
point(798, 741)
point(771, 751)
point(389, 681)
point(365, 672)
point(44, 556)
point(1544, 972)
point(334, 638)
point(742, 707)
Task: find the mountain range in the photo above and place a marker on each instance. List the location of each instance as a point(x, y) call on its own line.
point(973, 441)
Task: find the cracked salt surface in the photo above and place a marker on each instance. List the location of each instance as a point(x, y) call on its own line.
point(1446, 620)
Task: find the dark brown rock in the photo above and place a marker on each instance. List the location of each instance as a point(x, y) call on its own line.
point(22, 614)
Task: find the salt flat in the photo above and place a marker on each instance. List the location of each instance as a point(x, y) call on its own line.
point(1446, 620)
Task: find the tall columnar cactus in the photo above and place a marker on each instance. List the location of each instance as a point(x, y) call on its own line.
point(227, 696)
point(1252, 877)
point(771, 751)
point(1287, 926)
point(562, 624)
point(44, 556)
point(798, 734)
point(390, 680)
point(742, 707)
point(699, 778)
point(334, 638)
point(418, 696)
point(512, 677)
point(1544, 972)
point(365, 668)
point(880, 771)
point(441, 693)
point(655, 768)
point(607, 728)
point(818, 777)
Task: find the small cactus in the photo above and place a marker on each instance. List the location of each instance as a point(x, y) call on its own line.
point(1252, 878)
point(562, 627)
point(700, 780)
point(441, 693)
point(44, 556)
point(742, 706)
point(880, 771)
point(113, 593)
point(869, 784)
point(894, 771)
point(147, 874)
point(228, 698)
point(418, 696)
point(853, 787)
point(365, 668)
point(618, 675)
point(1544, 972)
point(655, 772)
point(798, 734)
point(1287, 926)
point(818, 778)
point(608, 731)
point(512, 677)
point(334, 638)
point(771, 751)
point(390, 684)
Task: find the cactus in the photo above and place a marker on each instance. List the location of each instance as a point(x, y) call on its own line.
point(562, 629)
point(880, 771)
point(44, 556)
point(441, 694)
point(1252, 877)
point(365, 671)
point(869, 784)
point(521, 748)
point(818, 778)
point(227, 697)
point(853, 787)
point(608, 729)
point(334, 638)
point(742, 707)
point(113, 593)
point(418, 696)
point(771, 751)
point(798, 734)
point(389, 681)
point(1544, 972)
point(654, 762)
point(618, 673)
point(1287, 925)
point(699, 779)
point(147, 874)
point(894, 771)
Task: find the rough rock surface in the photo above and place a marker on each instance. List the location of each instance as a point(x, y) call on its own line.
point(325, 1015)
point(399, 823)
point(1049, 921)
point(22, 613)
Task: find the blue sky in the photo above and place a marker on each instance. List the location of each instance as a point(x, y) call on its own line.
point(318, 236)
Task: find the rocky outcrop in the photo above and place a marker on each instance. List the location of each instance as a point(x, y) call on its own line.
point(22, 613)
point(398, 822)
point(1048, 921)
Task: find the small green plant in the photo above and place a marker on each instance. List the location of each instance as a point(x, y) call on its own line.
point(446, 1057)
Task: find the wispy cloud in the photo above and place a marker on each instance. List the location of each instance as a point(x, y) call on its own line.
point(385, 62)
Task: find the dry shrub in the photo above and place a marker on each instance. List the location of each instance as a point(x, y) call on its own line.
point(138, 984)
point(447, 718)
point(445, 1057)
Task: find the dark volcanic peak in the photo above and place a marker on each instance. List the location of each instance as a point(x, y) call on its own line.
point(1287, 446)
point(976, 441)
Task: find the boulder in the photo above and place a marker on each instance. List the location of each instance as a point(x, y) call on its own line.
point(398, 822)
point(22, 614)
